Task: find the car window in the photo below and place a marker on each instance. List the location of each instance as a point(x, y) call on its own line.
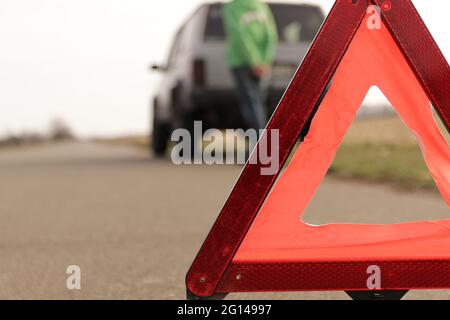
point(214, 24)
point(295, 23)
point(175, 50)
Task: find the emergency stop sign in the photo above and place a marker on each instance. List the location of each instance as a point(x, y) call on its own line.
point(260, 243)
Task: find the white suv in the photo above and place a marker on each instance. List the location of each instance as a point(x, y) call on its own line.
point(196, 82)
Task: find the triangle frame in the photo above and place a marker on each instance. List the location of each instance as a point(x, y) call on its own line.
point(213, 271)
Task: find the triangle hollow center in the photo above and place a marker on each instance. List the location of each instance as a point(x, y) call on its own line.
point(278, 233)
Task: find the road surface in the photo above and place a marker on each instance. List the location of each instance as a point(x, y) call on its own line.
point(133, 224)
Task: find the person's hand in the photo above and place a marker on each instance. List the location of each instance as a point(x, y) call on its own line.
point(260, 71)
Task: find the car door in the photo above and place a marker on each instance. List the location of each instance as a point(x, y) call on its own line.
point(170, 78)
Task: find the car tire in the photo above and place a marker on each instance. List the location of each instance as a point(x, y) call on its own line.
point(160, 135)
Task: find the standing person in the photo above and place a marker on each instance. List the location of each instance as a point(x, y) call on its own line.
point(252, 38)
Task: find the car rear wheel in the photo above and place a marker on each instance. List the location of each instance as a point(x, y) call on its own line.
point(160, 135)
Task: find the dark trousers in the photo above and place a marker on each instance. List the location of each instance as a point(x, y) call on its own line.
point(252, 94)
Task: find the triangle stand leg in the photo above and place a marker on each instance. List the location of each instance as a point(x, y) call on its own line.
point(377, 295)
point(218, 296)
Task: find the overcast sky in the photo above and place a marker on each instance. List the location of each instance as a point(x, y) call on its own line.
point(86, 60)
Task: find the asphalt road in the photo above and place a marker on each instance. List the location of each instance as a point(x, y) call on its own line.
point(133, 224)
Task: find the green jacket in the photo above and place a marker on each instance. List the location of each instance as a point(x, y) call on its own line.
point(251, 33)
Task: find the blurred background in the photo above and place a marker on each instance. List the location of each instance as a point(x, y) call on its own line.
point(86, 61)
point(79, 85)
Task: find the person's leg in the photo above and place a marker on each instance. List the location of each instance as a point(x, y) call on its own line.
point(258, 105)
point(251, 98)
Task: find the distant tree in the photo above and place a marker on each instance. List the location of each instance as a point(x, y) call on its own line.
point(60, 130)
point(10, 140)
point(30, 137)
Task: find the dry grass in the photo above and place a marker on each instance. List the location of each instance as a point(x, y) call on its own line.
point(376, 150)
point(388, 130)
point(383, 150)
point(135, 141)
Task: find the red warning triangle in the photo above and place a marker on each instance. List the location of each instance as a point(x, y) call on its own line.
point(259, 242)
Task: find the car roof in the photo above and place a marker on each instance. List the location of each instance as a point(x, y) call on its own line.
point(208, 3)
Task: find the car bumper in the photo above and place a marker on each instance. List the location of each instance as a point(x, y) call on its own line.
point(220, 107)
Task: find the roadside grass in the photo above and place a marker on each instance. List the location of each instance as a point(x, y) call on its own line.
point(399, 164)
point(134, 141)
point(379, 150)
point(383, 151)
